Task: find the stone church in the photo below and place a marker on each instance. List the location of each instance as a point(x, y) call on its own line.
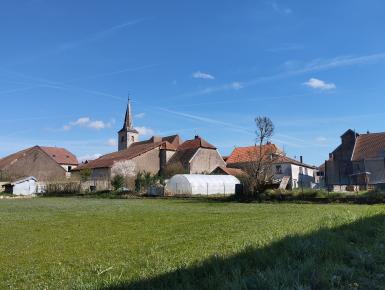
point(155, 154)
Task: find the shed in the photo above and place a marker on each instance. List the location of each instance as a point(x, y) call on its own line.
point(24, 186)
point(201, 184)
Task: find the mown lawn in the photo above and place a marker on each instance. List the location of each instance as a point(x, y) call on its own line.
point(80, 243)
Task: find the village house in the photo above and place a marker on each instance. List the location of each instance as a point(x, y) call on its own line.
point(44, 163)
point(358, 161)
point(300, 174)
point(154, 155)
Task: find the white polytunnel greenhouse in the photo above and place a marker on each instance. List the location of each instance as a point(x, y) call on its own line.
point(201, 184)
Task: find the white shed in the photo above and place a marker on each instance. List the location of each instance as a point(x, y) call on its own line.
point(201, 184)
point(25, 186)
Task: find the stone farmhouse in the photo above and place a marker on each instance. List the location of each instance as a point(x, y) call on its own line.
point(358, 161)
point(44, 163)
point(300, 174)
point(155, 154)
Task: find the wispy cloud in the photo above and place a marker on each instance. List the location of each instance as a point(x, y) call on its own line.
point(202, 75)
point(280, 9)
point(112, 73)
point(140, 115)
point(312, 66)
point(87, 122)
point(319, 84)
point(209, 121)
point(144, 131)
point(96, 36)
point(112, 142)
point(321, 139)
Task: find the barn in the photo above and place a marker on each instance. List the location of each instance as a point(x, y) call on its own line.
point(24, 186)
point(201, 184)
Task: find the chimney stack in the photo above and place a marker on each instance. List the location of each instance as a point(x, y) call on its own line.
point(301, 159)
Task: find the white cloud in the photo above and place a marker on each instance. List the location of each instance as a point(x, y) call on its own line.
point(321, 139)
point(81, 121)
point(112, 142)
point(87, 122)
point(236, 85)
point(97, 125)
point(319, 84)
point(140, 115)
point(67, 127)
point(144, 131)
point(280, 9)
point(202, 75)
point(89, 157)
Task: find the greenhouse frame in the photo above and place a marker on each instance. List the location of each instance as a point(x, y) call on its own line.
point(201, 184)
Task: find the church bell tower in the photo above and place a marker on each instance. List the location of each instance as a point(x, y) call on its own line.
point(128, 134)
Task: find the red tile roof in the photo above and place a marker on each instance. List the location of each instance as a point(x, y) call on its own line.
point(369, 146)
point(251, 153)
point(197, 142)
point(108, 160)
point(187, 149)
point(60, 155)
point(136, 149)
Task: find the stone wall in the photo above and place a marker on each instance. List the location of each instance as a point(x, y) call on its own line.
point(205, 161)
point(149, 161)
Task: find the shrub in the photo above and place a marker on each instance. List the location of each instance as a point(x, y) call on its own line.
point(61, 188)
point(145, 179)
point(118, 182)
point(85, 174)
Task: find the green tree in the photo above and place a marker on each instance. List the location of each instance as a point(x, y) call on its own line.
point(85, 174)
point(117, 182)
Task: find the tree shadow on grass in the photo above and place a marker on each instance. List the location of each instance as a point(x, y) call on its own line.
point(351, 256)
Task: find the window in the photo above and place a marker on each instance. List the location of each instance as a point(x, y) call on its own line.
point(132, 138)
point(69, 168)
point(122, 139)
point(278, 169)
point(301, 170)
point(306, 171)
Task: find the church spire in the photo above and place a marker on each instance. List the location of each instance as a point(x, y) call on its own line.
point(128, 118)
point(128, 134)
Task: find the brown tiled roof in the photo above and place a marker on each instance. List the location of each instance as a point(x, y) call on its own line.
point(250, 153)
point(231, 171)
point(187, 149)
point(60, 155)
point(173, 139)
point(197, 142)
point(8, 160)
point(133, 151)
point(369, 146)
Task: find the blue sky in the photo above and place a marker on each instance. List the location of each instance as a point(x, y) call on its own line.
point(316, 68)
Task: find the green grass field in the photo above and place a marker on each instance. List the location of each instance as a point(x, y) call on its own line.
point(85, 243)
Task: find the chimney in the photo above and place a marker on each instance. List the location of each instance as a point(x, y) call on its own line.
point(196, 137)
point(301, 159)
point(156, 139)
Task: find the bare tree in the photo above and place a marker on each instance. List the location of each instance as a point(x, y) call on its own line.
point(259, 169)
point(125, 169)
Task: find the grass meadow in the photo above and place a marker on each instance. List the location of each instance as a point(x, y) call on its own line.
point(89, 243)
